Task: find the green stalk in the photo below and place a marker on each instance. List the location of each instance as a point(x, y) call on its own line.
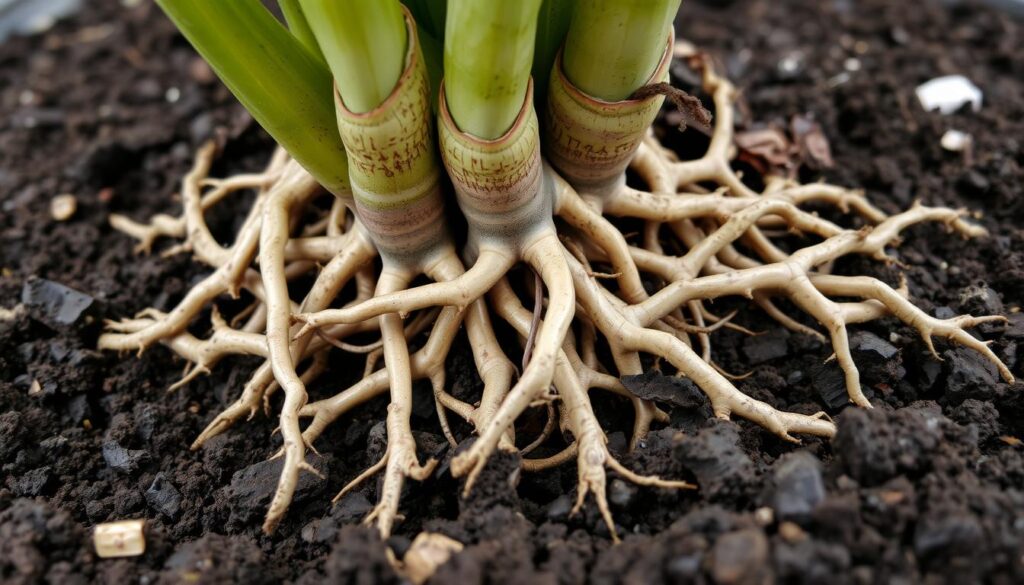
point(552, 26)
point(430, 16)
point(281, 84)
point(299, 27)
point(364, 42)
point(488, 52)
point(613, 46)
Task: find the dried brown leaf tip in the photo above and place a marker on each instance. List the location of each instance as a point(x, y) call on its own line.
point(765, 149)
point(812, 147)
point(770, 150)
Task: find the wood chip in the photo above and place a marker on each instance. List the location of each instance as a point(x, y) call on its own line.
point(62, 207)
point(119, 539)
point(428, 552)
point(892, 497)
point(791, 533)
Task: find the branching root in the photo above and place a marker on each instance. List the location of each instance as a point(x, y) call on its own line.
point(596, 293)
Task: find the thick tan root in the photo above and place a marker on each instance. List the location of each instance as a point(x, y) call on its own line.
point(545, 255)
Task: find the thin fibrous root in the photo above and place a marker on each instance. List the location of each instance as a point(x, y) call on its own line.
point(795, 279)
point(163, 225)
point(725, 398)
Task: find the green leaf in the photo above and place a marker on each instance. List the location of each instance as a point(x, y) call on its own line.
point(488, 55)
point(364, 42)
point(614, 46)
point(299, 27)
point(287, 90)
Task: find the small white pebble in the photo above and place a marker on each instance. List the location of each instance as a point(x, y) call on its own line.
point(955, 141)
point(62, 207)
point(35, 388)
point(119, 539)
point(173, 94)
point(10, 314)
point(27, 97)
point(41, 24)
point(789, 64)
point(944, 265)
point(683, 49)
point(852, 64)
point(764, 516)
point(948, 94)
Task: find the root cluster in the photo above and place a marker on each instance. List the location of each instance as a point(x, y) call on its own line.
point(705, 235)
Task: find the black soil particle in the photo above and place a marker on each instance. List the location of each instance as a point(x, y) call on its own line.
point(110, 106)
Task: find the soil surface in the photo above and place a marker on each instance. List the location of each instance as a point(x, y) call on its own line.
point(927, 487)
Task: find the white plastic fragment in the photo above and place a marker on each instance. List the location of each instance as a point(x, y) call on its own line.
point(119, 539)
point(956, 141)
point(948, 94)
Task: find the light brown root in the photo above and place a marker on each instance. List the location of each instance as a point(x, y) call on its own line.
point(163, 225)
point(794, 278)
point(401, 460)
point(546, 255)
point(459, 292)
point(273, 237)
point(725, 398)
point(578, 417)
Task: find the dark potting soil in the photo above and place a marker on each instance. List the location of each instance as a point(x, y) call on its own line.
point(927, 487)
